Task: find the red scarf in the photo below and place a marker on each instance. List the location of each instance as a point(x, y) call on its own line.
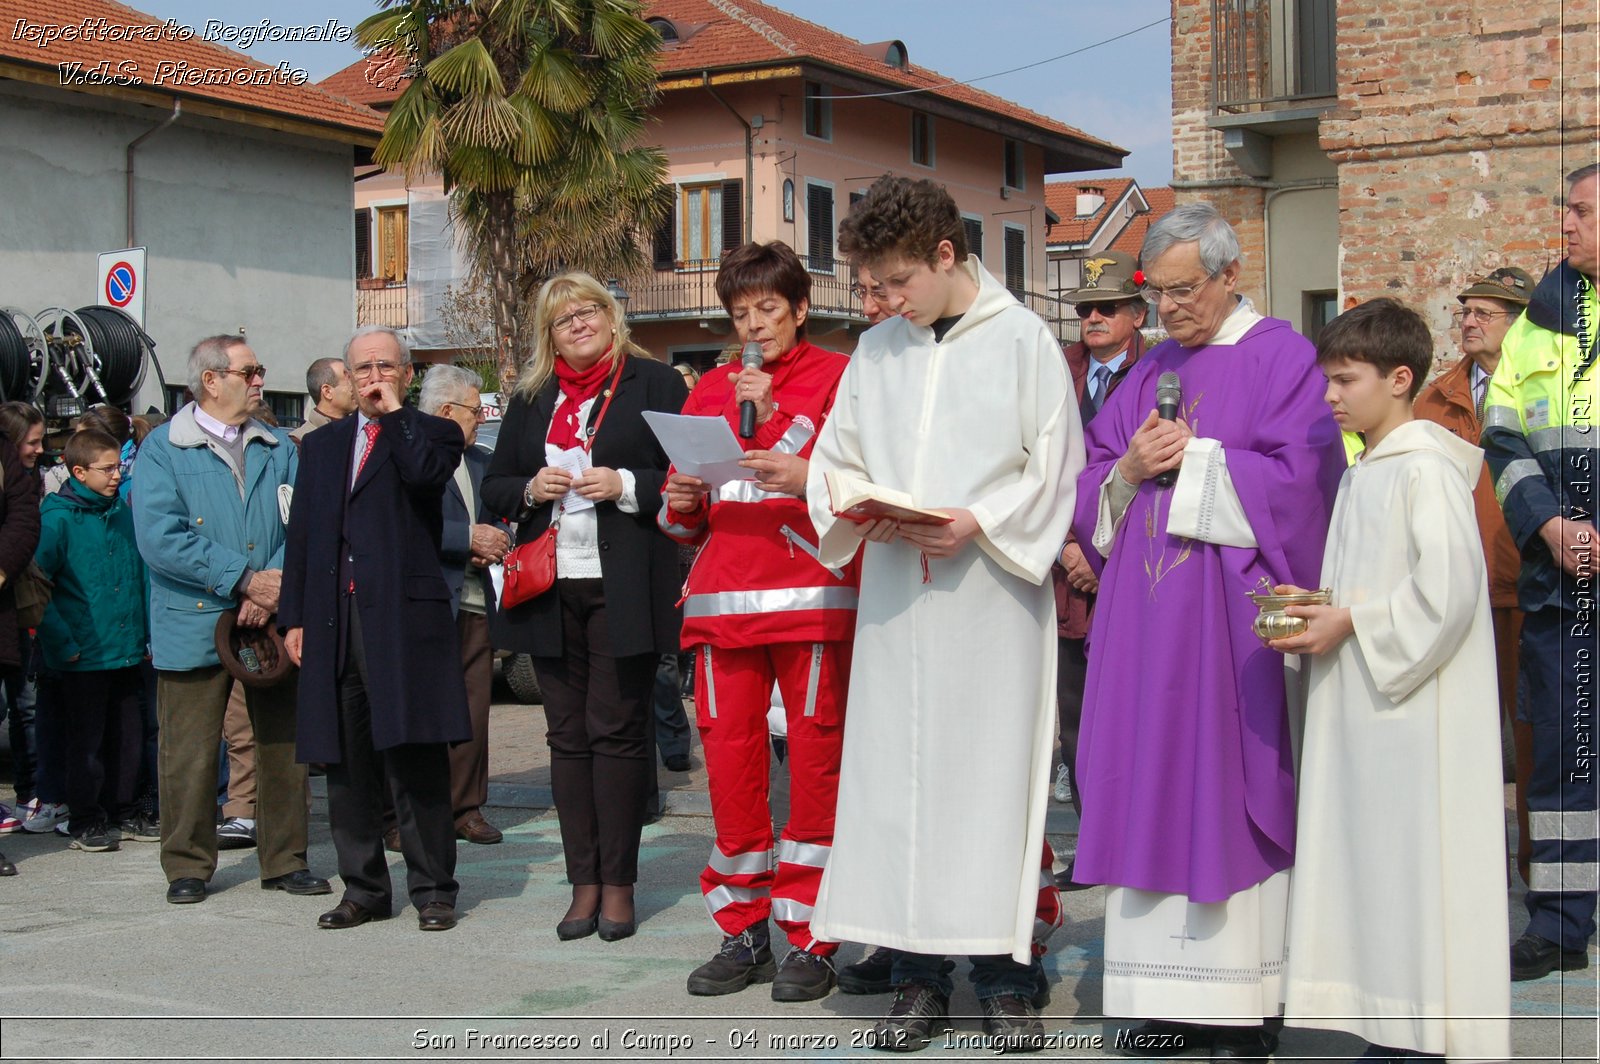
point(579, 388)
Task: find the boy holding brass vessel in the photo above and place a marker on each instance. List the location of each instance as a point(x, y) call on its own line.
point(1400, 770)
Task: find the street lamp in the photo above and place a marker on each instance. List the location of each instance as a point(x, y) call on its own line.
point(619, 293)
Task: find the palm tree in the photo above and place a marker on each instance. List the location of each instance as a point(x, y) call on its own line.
point(532, 111)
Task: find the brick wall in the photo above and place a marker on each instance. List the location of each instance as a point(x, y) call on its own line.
point(1197, 152)
point(1456, 123)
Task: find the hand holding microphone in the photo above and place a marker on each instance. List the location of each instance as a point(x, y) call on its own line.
point(749, 358)
point(1156, 449)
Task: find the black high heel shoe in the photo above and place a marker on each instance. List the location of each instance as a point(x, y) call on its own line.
point(583, 927)
point(612, 930)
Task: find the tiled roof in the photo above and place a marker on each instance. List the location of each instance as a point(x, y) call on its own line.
point(1062, 197)
point(735, 34)
point(133, 43)
point(742, 33)
point(1132, 238)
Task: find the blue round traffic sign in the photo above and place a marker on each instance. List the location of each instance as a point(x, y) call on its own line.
point(120, 283)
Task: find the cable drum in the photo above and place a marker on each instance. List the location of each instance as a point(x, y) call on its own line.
point(23, 356)
point(121, 349)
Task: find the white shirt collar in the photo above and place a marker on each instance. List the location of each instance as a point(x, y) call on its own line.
point(226, 433)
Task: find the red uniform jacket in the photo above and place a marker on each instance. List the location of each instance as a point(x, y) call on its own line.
point(757, 579)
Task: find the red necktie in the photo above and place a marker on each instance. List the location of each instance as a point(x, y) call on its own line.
point(371, 429)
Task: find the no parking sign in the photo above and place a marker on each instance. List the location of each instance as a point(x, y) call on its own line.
point(122, 282)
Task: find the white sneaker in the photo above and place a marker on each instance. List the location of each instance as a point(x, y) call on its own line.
point(9, 820)
point(45, 816)
point(1063, 786)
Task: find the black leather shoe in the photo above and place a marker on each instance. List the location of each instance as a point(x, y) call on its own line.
point(870, 974)
point(6, 867)
point(186, 891)
point(348, 914)
point(1243, 1043)
point(803, 976)
point(676, 762)
point(1533, 957)
point(300, 881)
point(615, 930)
point(583, 927)
point(436, 916)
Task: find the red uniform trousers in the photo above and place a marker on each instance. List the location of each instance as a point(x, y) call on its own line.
point(733, 691)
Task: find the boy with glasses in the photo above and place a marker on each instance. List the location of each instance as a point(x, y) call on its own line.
point(93, 634)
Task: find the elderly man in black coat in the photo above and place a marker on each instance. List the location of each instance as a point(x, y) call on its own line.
point(366, 614)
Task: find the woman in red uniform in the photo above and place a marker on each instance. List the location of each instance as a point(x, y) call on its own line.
point(760, 609)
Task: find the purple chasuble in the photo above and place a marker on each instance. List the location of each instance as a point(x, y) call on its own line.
point(1183, 755)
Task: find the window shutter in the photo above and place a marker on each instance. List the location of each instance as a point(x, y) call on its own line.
point(974, 227)
point(664, 256)
point(819, 231)
point(363, 243)
point(1016, 261)
point(732, 215)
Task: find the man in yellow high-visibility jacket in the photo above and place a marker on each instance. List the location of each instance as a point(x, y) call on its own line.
point(1540, 435)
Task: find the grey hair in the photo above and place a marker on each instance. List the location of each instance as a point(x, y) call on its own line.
point(369, 330)
point(1583, 173)
point(321, 374)
point(443, 384)
point(1193, 223)
point(210, 354)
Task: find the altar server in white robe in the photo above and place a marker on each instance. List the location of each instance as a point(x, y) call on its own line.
point(1397, 921)
point(962, 401)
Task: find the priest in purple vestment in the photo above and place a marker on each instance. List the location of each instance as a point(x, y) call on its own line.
point(1185, 755)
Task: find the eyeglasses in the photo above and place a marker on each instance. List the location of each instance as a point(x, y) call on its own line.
point(475, 410)
point(113, 469)
point(583, 314)
point(382, 369)
point(247, 373)
point(1182, 295)
point(1479, 315)
point(861, 292)
point(1106, 309)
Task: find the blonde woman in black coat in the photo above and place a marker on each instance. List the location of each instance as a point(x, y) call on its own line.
point(596, 636)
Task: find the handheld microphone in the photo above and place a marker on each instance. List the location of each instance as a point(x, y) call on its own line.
point(750, 358)
point(1169, 397)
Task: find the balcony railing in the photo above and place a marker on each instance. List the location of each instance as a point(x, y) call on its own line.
point(381, 306)
point(688, 291)
point(1267, 53)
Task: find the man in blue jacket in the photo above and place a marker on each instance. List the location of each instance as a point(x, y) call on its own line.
point(210, 514)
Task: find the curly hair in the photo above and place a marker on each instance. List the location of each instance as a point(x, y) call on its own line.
point(902, 217)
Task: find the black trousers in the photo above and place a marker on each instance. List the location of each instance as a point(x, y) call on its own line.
point(598, 709)
point(104, 737)
point(417, 777)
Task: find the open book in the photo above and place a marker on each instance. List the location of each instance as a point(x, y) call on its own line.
point(860, 500)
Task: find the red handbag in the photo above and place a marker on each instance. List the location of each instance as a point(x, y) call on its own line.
point(530, 569)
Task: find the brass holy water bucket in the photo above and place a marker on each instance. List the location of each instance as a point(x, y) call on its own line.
point(1272, 623)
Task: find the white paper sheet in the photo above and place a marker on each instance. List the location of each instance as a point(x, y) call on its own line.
point(574, 460)
point(703, 447)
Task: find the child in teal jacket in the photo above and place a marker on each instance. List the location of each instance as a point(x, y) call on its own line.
point(95, 633)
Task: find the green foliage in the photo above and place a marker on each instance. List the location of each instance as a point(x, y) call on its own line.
point(534, 112)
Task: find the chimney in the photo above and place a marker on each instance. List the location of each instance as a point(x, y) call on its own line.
point(1090, 200)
